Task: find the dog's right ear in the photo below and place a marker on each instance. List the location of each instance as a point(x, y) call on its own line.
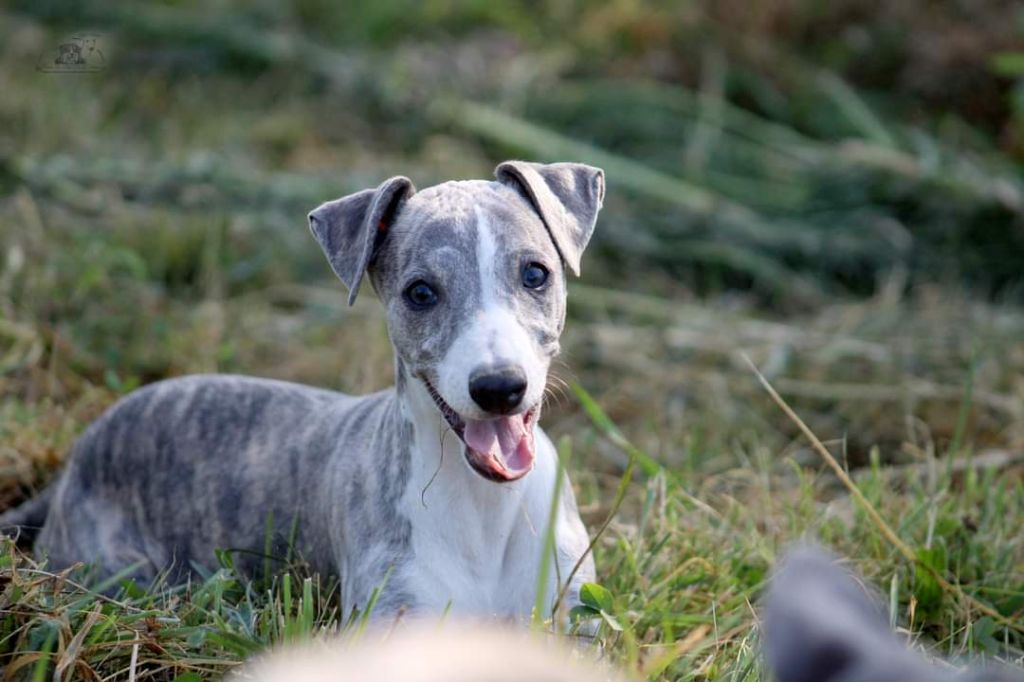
point(351, 229)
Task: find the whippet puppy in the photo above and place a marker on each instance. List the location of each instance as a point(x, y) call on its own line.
point(438, 489)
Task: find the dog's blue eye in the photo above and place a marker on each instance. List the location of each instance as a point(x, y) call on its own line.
point(420, 295)
point(534, 276)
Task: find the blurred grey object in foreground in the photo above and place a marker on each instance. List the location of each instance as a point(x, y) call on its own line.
point(821, 625)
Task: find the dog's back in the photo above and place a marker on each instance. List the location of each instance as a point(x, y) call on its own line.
point(229, 456)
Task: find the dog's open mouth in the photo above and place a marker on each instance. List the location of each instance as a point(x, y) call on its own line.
point(499, 449)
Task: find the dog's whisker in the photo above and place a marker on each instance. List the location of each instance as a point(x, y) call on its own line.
point(557, 390)
point(557, 381)
point(445, 430)
point(553, 394)
point(560, 388)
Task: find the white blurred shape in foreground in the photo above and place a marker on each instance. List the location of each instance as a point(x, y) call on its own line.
point(430, 652)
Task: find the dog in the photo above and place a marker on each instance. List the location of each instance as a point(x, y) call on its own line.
point(430, 496)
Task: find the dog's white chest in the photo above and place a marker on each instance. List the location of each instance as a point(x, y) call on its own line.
point(472, 580)
point(477, 548)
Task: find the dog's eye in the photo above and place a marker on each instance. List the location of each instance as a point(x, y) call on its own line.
point(420, 295)
point(534, 275)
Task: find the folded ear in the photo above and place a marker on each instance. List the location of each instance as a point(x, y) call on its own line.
point(567, 196)
point(351, 229)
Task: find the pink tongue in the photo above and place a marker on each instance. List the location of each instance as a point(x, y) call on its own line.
point(506, 439)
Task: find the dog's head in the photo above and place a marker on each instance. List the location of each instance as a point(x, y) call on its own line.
point(473, 278)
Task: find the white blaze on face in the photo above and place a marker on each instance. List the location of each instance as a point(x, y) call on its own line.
point(491, 336)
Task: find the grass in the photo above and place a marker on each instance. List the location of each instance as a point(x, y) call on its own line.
point(773, 207)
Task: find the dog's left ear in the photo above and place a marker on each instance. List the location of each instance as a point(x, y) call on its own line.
point(567, 196)
point(351, 229)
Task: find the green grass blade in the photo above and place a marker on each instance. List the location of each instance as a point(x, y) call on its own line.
point(548, 548)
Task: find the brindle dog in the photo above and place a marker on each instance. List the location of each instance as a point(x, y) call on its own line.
point(438, 488)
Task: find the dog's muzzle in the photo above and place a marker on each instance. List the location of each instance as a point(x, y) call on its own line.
point(500, 449)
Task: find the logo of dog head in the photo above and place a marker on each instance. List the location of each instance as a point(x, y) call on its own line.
point(473, 277)
point(78, 53)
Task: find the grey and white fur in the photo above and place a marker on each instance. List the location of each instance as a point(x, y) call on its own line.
point(376, 486)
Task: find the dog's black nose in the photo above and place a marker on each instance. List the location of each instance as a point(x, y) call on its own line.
point(498, 390)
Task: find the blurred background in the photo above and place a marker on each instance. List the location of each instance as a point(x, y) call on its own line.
point(832, 189)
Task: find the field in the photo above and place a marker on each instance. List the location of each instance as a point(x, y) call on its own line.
point(799, 200)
